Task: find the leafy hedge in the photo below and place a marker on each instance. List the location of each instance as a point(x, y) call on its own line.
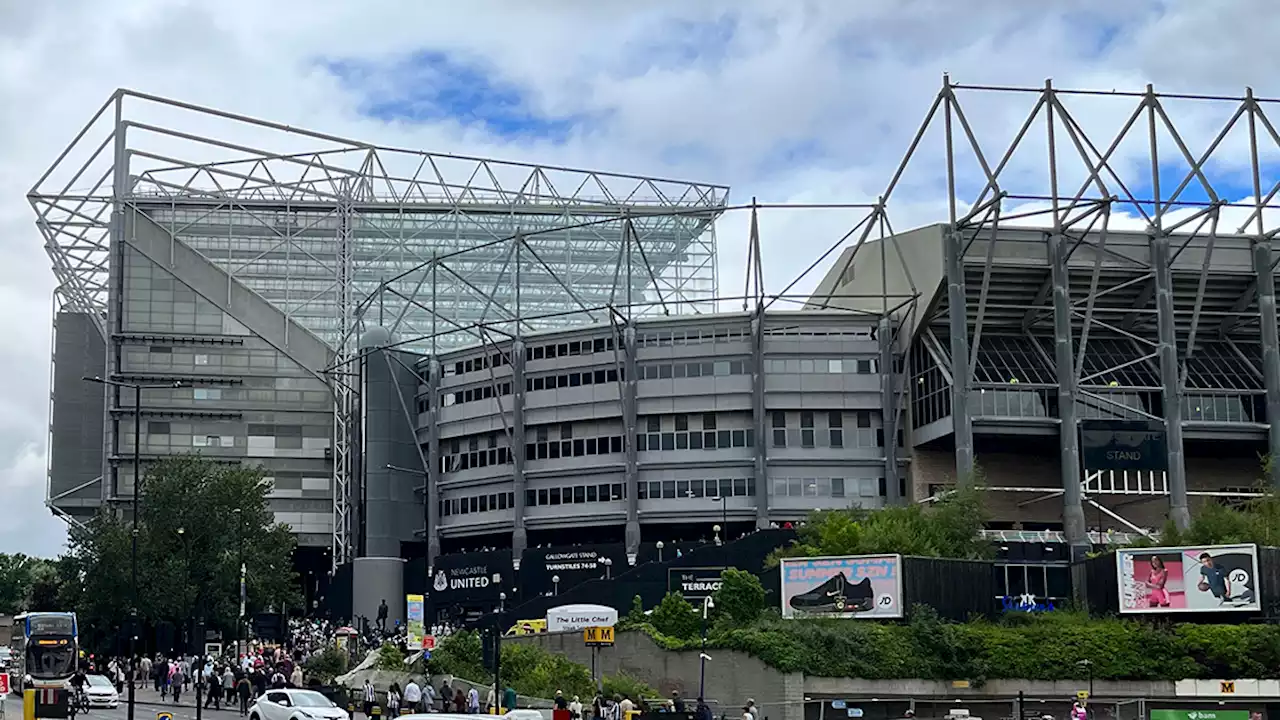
point(1050, 646)
point(529, 669)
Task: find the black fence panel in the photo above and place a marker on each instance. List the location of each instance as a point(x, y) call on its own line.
point(1102, 584)
point(956, 589)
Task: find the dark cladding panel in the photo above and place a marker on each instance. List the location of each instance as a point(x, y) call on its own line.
point(1123, 445)
point(77, 423)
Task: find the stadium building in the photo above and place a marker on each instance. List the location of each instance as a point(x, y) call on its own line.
point(450, 366)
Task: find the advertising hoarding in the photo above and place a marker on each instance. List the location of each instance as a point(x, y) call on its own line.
point(855, 586)
point(415, 616)
point(1216, 578)
point(694, 583)
point(1198, 714)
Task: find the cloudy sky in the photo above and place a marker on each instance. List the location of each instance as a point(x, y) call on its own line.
point(793, 101)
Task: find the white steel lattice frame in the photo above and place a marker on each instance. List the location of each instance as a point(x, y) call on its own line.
point(1184, 304)
point(516, 256)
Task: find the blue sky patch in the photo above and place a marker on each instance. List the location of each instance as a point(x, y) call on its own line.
point(431, 86)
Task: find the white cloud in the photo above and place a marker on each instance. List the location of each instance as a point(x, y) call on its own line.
point(847, 81)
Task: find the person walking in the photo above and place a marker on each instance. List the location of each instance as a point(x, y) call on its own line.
point(459, 701)
point(393, 700)
point(244, 691)
point(370, 697)
point(177, 681)
point(213, 690)
point(413, 696)
point(229, 685)
point(473, 701)
point(382, 616)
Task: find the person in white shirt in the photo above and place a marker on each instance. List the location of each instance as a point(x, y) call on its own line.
point(428, 697)
point(473, 702)
point(413, 696)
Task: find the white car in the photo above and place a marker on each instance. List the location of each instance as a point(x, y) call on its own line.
point(102, 693)
point(295, 704)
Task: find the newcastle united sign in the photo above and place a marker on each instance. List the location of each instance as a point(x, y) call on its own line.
point(464, 578)
point(694, 584)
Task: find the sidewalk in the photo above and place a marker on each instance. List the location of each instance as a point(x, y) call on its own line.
point(151, 698)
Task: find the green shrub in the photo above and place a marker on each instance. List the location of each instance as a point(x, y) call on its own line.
point(740, 599)
point(389, 658)
point(949, 528)
point(675, 617)
point(459, 654)
point(627, 686)
point(327, 665)
point(1049, 646)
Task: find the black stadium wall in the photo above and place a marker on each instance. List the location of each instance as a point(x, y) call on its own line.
point(464, 588)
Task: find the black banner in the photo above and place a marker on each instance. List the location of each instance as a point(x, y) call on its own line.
point(1123, 445)
point(694, 584)
point(471, 578)
point(539, 567)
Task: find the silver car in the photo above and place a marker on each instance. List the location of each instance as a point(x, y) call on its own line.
point(101, 692)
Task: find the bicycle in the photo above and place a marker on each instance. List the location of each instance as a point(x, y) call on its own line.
point(79, 703)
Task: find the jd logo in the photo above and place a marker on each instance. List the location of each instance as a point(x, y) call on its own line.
point(442, 582)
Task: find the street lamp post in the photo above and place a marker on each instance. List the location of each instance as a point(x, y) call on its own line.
point(707, 604)
point(240, 651)
point(497, 655)
point(555, 582)
point(724, 512)
point(133, 544)
point(660, 546)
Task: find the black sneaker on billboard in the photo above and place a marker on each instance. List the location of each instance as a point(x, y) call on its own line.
point(837, 595)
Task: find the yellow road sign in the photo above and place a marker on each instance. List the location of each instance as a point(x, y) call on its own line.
point(597, 636)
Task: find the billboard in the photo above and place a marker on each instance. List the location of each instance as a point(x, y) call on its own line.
point(416, 618)
point(856, 586)
point(1215, 578)
point(694, 583)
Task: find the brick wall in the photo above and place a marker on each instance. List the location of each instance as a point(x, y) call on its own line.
point(732, 677)
point(1034, 471)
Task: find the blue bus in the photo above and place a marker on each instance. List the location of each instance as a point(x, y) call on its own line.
point(46, 650)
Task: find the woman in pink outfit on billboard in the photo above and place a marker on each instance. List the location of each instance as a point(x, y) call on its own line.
point(1156, 579)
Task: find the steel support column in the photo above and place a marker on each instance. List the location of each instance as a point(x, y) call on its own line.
point(431, 494)
point(889, 414)
point(961, 421)
point(1266, 289)
point(1171, 390)
point(519, 537)
point(630, 387)
point(758, 421)
point(1073, 519)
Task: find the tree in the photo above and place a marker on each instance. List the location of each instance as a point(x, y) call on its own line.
point(199, 519)
point(740, 599)
point(25, 582)
point(951, 528)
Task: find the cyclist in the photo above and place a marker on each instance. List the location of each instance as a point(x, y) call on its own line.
point(79, 700)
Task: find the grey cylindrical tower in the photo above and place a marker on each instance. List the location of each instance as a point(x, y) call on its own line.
point(391, 464)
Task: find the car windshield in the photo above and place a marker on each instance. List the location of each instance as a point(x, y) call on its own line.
point(310, 699)
point(51, 662)
point(99, 681)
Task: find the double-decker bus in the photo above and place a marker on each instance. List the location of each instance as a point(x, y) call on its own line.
point(46, 649)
